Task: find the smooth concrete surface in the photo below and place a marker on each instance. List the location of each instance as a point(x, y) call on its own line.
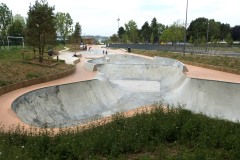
point(125, 82)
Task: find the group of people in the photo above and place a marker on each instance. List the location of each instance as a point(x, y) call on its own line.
point(105, 52)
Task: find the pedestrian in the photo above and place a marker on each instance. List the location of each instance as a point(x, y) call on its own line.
point(106, 52)
point(103, 52)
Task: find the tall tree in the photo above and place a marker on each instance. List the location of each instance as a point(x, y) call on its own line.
point(121, 32)
point(214, 29)
point(174, 33)
point(236, 33)
point(75, 38)
point(200, 27)
point(64, 25)
point(17, 26)
point(114, 38)
point(41, 26)
point(77, 33)
point(197, 28)
point(154, 28)
point(5, 21)
point(225, 31)
point(132, 31)
point(146, 32)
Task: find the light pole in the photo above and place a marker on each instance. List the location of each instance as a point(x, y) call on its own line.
point(207, 36)
point(185, 34)
point(118, 19)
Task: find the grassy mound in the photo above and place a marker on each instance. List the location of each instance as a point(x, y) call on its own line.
point(13, 70)
point(218, 61)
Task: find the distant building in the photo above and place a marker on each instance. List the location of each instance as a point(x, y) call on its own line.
point(93, 39)
point(88, 40)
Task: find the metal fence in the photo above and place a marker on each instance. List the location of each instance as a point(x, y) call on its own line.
point(200, 49)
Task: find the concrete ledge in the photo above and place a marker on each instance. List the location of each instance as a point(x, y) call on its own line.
point(90, 66)
point(30, 82)
point(76, 61)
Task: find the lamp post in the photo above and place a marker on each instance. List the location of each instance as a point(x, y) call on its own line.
point(185, 34)
point(118, 19)
point(207, 36)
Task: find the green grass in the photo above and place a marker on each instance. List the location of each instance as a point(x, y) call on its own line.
point(219, 61)
point(13, 70)
point(162, 134)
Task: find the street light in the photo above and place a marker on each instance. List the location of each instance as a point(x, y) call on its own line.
point(185, 34)
point(118, 19)
point(207, 36)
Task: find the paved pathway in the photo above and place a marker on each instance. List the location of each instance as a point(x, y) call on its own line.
point(8, 118)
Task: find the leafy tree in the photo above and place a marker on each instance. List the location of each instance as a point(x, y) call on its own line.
point(146, 32)
point(154, 28)
point(161, 29)
point(214, 29)
point(174, 33)
point(17, 26)
point(125, 38)
point(121, 32)
point(236, 33)
point(76, 36)
point(152, 38)
point(225, 30)
point(132, 31)
point(114, 38)
point(229, 40)
point(5, 19)
point(200, 26)
point(41, 26)
point(64, 25)
point(197, 28)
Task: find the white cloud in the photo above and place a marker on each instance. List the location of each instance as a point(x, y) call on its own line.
point(100, 17)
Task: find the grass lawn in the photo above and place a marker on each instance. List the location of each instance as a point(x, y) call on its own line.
point(12, 68)
point(219, 61)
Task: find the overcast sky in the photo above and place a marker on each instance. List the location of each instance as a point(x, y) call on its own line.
point(99, 17)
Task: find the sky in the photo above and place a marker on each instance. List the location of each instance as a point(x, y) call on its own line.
point(99, 17)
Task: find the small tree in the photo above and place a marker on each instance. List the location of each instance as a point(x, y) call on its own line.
point(132, 31)
point(229, 40)
point(76, 36)
point(5, 21)
point(64, 25)
point(17, 26)
point(114, 38)
point(41, 26)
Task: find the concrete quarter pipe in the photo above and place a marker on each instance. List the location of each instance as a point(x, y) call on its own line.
point(126, 82)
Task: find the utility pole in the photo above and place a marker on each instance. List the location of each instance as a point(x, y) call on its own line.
point(185, 34)
point(207, 36)
point(118, 19)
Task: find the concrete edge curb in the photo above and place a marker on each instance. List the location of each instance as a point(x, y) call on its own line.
point(30, 82)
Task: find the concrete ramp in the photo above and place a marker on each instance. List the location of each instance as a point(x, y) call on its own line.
point(67, 105)
point(77, 103)
point(126, 82)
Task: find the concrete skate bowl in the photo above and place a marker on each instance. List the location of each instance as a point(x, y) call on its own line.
point(127, 82)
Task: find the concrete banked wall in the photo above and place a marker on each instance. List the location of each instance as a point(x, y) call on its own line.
point(126, 82)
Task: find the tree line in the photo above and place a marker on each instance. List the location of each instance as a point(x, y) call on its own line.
point(200, 30)
point(41, 27)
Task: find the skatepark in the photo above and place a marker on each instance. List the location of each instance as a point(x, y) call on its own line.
point(122, 82)
point(125, 82)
